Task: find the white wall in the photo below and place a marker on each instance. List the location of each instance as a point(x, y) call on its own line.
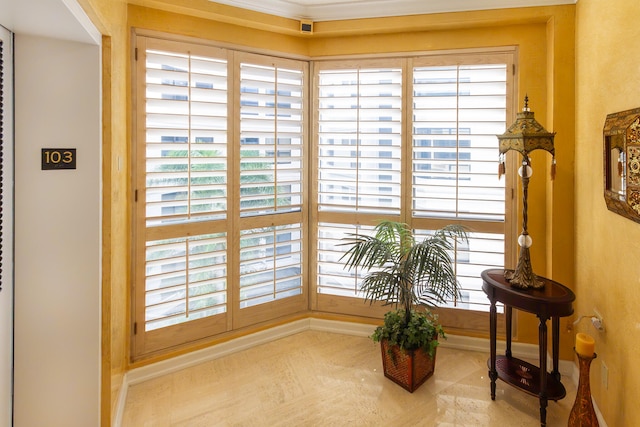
point(57, 235)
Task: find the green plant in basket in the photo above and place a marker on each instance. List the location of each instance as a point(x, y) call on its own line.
point(409, 274)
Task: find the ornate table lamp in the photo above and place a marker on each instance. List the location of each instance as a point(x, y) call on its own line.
point(525, 136)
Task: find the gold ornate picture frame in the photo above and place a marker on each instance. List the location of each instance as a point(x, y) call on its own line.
point(621, 135)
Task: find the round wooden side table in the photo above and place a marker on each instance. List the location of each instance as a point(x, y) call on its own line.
point(553, 301)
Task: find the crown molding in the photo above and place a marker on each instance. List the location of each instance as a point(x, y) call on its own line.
point(335, 10)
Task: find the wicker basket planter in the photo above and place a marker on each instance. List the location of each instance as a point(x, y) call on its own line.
point(409, 369)
point(411, 276)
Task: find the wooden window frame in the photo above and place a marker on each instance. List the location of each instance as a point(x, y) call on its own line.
point(231, 224)
point(308, 216)
point(453, 319)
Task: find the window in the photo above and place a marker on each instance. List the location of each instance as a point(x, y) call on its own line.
point(271, 139)
point(457, 112)
point(359, 134)
point(238, 222)
point(219, 224)
point(272, 216)
point(428, 158)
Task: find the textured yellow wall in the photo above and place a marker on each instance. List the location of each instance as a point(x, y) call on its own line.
point(607, 245)
point(545, 39)
point(109, 16)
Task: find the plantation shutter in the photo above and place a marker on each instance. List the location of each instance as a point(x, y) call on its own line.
point(186, 121)
point(219, 191)
point(458, 110)
point(457, 113)
point(412, 139)
point(272, 129)
point(221, 166)
point(182, 195)
point(359, 139)
point(271, 135)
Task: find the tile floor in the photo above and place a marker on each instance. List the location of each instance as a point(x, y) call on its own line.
point(323, 379)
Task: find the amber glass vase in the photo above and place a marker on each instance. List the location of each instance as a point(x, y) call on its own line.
point(583, 414)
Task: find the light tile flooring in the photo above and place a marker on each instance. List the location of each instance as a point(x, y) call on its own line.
point(323, 379)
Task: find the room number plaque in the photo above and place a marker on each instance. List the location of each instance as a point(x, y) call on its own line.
point(58, 158)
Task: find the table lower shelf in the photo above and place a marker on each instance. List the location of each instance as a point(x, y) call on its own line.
point(526, 377)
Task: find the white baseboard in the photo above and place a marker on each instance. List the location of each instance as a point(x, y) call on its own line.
point(120, 404)
point(527, 352)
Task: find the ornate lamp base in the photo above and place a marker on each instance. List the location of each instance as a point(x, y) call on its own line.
point(583, 414)
point(523, 276)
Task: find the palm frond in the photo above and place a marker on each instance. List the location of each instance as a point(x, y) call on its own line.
point(366, 252)
point(453, 232)
point(434, 273)
point(396, 235)
point(381, 286)
point(408, 273)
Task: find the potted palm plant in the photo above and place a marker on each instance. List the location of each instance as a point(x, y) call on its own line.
point(413, 277)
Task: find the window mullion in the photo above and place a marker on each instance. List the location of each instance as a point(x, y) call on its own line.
point(274, 267)
point(189, 141)
point(457, 148)
point(275, 141)
point(357, 138)
point(187, 279)
point(406, 157)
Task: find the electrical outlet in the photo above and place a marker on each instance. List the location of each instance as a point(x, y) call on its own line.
point(604, 375)
point(597, 321)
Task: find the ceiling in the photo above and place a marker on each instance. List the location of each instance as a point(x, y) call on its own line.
point(332, 10)
point(59, 19)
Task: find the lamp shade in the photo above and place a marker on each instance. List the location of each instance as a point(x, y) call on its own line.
point(526, 134)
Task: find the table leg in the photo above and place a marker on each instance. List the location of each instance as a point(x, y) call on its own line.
point(508, 315)
point(493, 321)
point(542, 345)
point(555, 338)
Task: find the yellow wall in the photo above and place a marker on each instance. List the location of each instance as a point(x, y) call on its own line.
point(607, 245)
point(142, 18)
point(109, 16)
point(545, 39)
